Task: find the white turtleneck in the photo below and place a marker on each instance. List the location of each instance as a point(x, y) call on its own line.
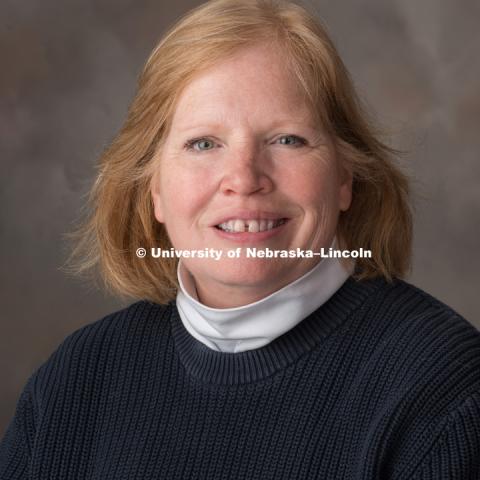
point(250, 326)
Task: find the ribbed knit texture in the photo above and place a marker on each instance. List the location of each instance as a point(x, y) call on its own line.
point(382, 382)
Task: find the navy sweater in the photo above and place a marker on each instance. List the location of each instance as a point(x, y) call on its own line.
point(381, 382)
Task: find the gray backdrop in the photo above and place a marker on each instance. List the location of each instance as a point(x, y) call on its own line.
point(68, 73)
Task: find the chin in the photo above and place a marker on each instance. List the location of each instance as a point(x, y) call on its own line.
point(255, 273)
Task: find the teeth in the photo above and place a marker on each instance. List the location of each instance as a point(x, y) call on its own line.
point(253, 226)
point(238, 225)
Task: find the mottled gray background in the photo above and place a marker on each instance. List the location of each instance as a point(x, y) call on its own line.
point(68, 73)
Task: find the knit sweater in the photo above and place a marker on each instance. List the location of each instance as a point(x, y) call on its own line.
point(381, 382)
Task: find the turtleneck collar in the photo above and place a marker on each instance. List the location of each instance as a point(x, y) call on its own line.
point(252, 326)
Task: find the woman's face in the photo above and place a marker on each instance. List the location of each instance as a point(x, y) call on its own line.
point(244, 153)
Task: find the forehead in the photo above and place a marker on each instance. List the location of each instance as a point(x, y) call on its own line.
point(254, 83)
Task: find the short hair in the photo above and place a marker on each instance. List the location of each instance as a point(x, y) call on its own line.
point(121, 217)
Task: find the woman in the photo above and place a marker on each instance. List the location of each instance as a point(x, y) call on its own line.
point(245, 135)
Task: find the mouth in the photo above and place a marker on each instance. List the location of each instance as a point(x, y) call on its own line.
point(251, 225)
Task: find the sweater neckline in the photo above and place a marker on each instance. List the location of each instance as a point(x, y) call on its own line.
point(226, 368)
point(250, 326)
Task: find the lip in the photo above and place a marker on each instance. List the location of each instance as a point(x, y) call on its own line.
point(249, 215)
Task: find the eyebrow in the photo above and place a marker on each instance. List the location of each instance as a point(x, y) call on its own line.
point(277, 124)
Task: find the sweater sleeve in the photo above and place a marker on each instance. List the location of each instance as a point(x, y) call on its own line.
point(17, 444)
point(455, 454)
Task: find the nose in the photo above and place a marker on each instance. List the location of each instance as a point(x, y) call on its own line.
point(246, 173)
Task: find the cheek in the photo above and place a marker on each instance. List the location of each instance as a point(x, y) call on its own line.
point(317, 189)
point(184, 196)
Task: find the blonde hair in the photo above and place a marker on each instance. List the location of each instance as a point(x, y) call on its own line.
point(121, 217)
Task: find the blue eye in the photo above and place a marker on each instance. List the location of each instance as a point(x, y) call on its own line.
point(298, 140)
point(204, 144)
point(190, 145)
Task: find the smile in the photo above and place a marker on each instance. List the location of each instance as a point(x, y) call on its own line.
point(238, 225)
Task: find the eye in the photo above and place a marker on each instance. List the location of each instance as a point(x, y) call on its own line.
point(202, 143)
point(292, 140)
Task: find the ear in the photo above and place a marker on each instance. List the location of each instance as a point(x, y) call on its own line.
point(157, 198)
point(345, 191)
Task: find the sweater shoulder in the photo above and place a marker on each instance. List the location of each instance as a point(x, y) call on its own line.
point(402, 301)
point(106, 342)
point(130, 321)
point(420, 339)
point(423, 359)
